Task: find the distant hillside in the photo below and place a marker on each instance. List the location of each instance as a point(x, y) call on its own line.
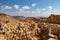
point(18, 16)
point(54, 19)
point(7, 18)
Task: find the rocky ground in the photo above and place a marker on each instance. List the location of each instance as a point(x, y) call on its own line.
point(28, 30)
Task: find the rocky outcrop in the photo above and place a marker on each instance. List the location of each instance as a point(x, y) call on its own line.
point(6, 18)
point(54, 19)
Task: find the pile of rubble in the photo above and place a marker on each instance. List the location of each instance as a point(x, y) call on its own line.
point(29, 31)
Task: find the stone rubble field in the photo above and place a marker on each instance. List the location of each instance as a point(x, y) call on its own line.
point(29, 31)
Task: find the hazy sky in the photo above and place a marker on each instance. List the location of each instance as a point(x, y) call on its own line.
point(35, 8)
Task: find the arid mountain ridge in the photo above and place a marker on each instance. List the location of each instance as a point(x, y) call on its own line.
point(53, 18)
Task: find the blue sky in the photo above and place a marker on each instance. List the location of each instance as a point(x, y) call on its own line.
point(34, 8)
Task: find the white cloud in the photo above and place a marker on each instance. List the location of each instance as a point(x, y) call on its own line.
point(23, 11)
point(5, 7)
point(43, 9)
point(16, 6)
point(33, 5)
point(25, 7)
point(36, 11)
point(50, 8)
point(33, 13)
